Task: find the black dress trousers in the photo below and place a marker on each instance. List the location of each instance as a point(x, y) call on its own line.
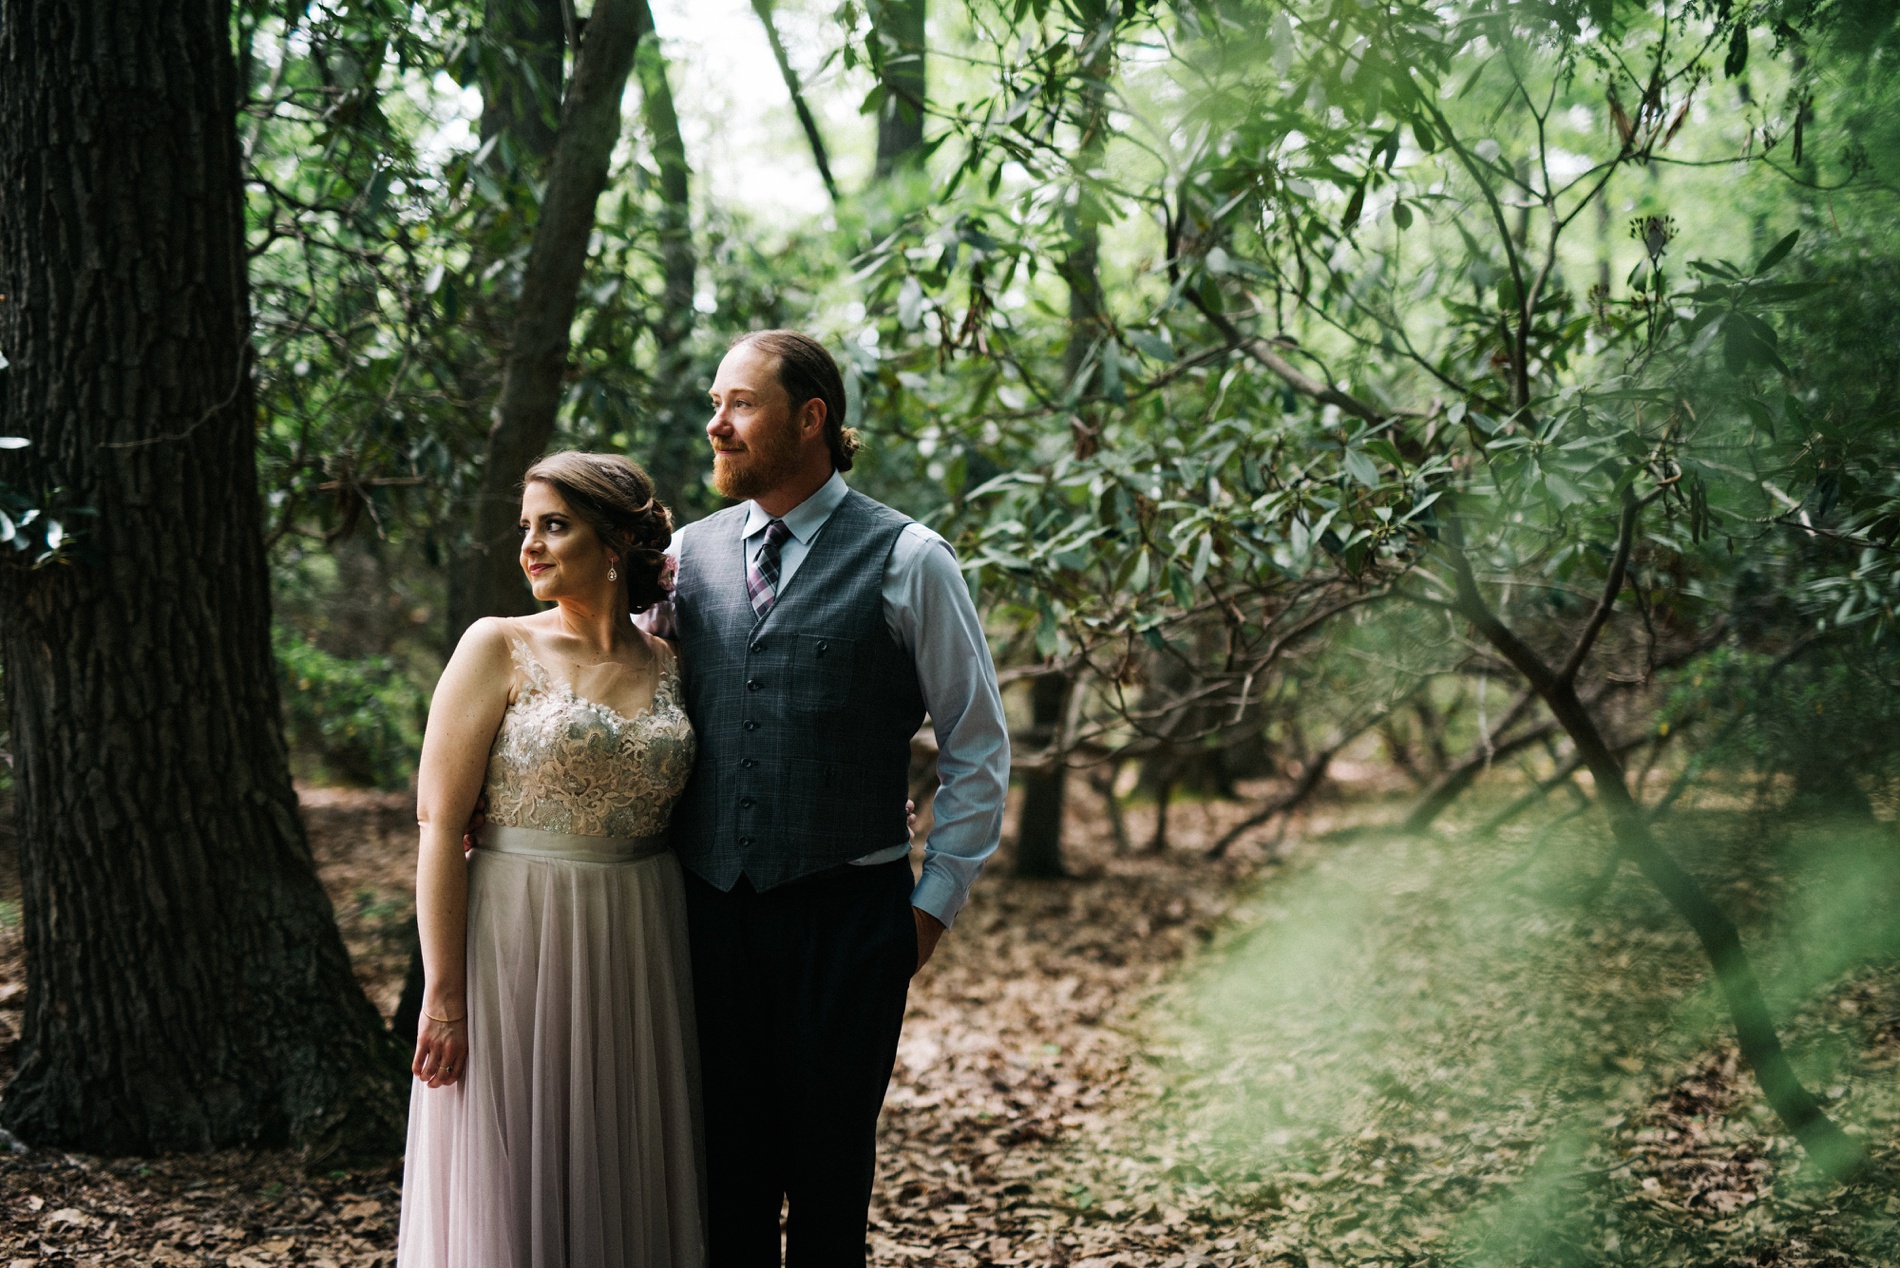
point(800, 995)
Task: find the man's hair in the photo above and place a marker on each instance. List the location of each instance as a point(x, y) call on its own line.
point(807, 372)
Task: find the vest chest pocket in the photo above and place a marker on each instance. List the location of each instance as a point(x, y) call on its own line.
point(822, 671)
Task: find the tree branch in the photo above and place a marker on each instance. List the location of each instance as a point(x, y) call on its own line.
point(1262, 350)
point(806, 120)
point(1612, 586)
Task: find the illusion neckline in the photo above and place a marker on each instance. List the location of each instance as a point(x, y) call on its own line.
point(554, 682)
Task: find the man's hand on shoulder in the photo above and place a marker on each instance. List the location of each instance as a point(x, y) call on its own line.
point(929, 929)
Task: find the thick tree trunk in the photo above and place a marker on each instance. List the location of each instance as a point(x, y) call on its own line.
point(898, 28)
point(186, 984)
point(1045, 791)
point(676, 452)
point(487, 580)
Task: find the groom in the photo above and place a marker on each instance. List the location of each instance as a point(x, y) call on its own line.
point(817, 629)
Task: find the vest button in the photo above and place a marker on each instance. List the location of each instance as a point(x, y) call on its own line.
point(750, 725)
point(758, 647)
point(753, 684)
point(745, 843)
point(746, 803)
point(822, 646)
point(748, 763)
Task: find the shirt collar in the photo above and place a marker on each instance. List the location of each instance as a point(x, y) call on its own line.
point(807, 517)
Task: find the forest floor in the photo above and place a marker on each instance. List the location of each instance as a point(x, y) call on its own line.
point(1332, 1050)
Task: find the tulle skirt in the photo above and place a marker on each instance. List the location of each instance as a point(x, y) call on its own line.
point(572, 1141)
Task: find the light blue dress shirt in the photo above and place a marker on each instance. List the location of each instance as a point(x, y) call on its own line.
point(928, 610)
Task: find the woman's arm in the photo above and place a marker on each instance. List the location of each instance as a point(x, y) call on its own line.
point(463, 718)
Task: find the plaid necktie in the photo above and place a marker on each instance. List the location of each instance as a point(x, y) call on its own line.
point(761, 576)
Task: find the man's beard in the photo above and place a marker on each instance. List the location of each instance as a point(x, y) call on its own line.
point(770, 460)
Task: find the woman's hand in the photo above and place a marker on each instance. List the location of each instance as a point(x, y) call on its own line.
point(472, 834)
point(441, 1051)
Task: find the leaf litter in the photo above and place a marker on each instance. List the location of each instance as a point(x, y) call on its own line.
point(1069, 1091)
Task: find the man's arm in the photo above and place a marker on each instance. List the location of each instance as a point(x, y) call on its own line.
point(928, 607)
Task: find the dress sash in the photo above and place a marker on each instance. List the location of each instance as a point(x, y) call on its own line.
point(568, 848)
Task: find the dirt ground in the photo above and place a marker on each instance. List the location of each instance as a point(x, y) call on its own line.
point(1017, 1049)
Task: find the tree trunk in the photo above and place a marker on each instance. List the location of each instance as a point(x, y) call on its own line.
point(1039, 823)
point(898, 29)
point(487, 580)
point(1834, 1150)
point(186, 984)
point(676, 450)
point(1039, 831)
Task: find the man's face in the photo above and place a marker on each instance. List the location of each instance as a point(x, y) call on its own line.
point(757, 444)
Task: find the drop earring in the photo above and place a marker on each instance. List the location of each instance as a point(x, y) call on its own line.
point(613, 574)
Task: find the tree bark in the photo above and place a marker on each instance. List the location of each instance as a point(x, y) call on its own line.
point(487, 580)
point(1045, 791)
point(676, 451)
point(898, 28)
point(186, 984)
point(1039, 830)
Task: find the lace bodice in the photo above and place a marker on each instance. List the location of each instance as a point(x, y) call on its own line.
point(565, 764)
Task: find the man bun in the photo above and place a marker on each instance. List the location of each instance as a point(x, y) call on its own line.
point(807, 372)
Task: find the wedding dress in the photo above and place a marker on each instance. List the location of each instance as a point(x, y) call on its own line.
point(571, 1141)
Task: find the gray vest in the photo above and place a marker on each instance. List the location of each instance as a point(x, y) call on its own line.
point(805, 718)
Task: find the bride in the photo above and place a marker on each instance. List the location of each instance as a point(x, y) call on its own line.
point(554, 1114)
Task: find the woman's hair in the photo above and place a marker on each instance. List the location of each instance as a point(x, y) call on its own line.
point(616, 497)
point(807, 372)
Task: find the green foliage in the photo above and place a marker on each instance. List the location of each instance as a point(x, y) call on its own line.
point(350, 721)
point(1357, 276)
point(1826, 715)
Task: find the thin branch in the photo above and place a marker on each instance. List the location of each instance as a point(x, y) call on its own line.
point(1612, 586)
point(805, 118)
point(1262, 350)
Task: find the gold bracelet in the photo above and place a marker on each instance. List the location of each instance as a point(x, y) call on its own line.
point(446, 1021)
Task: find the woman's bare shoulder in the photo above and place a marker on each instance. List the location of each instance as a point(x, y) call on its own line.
point(489, 637)
point(485, 655)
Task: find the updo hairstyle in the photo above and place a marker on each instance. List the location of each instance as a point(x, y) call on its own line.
point(616, 497)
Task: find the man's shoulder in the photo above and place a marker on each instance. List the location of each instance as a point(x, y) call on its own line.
point(867, 505)
point(919, 543)
point(701, 530)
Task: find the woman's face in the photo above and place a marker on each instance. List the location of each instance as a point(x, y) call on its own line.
point(561, 553)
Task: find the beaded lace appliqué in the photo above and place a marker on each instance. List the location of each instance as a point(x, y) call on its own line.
point(564, 764)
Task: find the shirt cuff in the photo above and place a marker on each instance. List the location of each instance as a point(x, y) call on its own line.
point(938, 895)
